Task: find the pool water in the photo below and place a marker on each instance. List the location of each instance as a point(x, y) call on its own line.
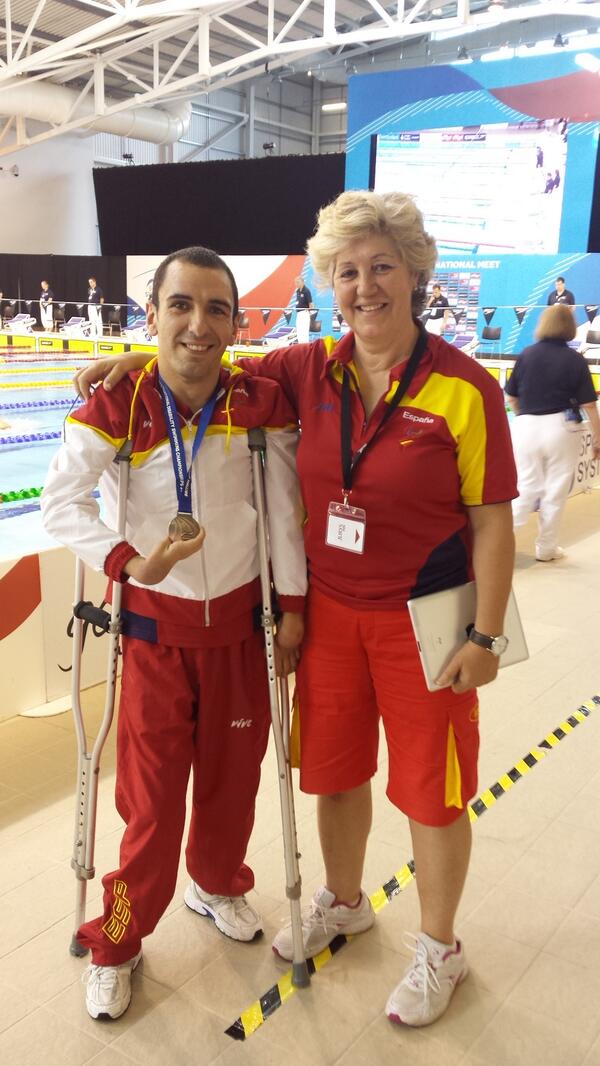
point(36, 394)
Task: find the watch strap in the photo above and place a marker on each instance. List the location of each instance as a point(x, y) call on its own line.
point(481, 639)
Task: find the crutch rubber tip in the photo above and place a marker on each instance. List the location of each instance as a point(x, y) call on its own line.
point(76, 948)
point(300, 975)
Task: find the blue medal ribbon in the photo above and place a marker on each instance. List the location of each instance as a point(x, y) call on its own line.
point(183, 476)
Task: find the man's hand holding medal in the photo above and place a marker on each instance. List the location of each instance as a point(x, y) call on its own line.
point(152, 569)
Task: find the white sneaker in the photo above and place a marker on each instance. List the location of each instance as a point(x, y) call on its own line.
point(232, 915)
point(322, 922)
point(427, 986)
point(549, 557)
point(108, 991)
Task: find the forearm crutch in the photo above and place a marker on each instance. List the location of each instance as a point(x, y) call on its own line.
point(280, 718)
point(88, 769)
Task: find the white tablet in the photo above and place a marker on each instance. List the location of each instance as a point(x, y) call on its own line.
point(441, 623)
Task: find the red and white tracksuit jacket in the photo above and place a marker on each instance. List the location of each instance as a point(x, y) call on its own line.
point(194, 690)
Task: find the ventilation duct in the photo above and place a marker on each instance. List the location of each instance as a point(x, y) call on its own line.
point(47, 102)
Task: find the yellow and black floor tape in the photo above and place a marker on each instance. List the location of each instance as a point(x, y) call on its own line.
point(252, 1018)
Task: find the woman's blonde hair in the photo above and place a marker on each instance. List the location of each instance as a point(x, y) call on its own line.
point(359, 213)
point(556, 323)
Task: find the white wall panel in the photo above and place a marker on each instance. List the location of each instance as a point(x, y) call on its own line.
point(50, 207)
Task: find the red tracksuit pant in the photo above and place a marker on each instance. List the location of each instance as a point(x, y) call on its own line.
point(181, 708)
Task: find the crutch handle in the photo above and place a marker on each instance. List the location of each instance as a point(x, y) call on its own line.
point(88, 612)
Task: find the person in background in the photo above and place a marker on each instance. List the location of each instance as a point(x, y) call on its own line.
point(46, 307)
point(303, 307)
point(95, 301)
point(561, 295)
point(403, 496)
point(439, 311)
point(548, 385)
point(194, 685)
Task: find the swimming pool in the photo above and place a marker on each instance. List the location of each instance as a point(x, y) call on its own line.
point(36, 394)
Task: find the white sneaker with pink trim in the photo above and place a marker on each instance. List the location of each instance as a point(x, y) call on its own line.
point(322, 922)
point(427, 986)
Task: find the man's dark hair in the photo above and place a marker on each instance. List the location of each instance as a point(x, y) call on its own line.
point(561, 279)
point(198, 256)
point(436, 286)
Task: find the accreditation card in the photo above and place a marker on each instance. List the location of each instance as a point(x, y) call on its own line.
point(346, 527)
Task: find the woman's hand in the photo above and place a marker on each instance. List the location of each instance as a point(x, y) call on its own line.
point(596, 446)
point(152, 569)
point(288, 638)
point(471, 667)
point(108, 371)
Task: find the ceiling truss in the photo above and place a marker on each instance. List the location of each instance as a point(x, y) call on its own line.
point(126, 54)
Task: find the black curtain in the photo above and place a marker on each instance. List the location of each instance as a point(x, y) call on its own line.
point(238, 207)
point(67, 275)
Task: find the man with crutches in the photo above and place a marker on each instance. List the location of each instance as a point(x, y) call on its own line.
point(194, 685)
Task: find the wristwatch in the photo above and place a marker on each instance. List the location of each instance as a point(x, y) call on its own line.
point(497, 645)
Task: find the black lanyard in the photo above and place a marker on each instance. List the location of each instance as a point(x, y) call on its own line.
point(350, 461)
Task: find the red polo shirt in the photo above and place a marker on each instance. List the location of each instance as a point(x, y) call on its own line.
point(445, 448)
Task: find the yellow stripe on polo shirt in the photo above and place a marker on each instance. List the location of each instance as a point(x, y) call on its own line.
point(461, 406)
point(116, 442)
point(337, 373)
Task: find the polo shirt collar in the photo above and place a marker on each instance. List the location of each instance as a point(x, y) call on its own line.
point(340, 353)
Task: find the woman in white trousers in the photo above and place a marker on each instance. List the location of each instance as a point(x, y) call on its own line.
point(46, 307)
point(549, 385)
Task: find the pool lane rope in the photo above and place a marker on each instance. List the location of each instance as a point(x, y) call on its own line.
point(29, 369)
point(30, 438)
point(44, 360)
point(38, 405)
point(36, 384)
point(12, 495)
point(251, 1019)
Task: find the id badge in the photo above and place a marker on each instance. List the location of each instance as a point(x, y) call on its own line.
point(346, 527)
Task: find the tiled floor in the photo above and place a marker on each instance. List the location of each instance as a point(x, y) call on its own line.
point(530, 917)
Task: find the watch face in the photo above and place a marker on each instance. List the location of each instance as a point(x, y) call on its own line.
point(499, 645)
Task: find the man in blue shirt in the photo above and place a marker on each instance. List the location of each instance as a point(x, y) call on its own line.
point(561, 294)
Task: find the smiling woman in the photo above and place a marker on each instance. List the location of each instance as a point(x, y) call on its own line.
point(385, 453)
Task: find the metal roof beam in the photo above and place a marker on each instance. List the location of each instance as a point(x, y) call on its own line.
point(191, 28)
point(218, 136)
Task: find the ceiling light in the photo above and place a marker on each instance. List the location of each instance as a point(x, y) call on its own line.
point(336, 105)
